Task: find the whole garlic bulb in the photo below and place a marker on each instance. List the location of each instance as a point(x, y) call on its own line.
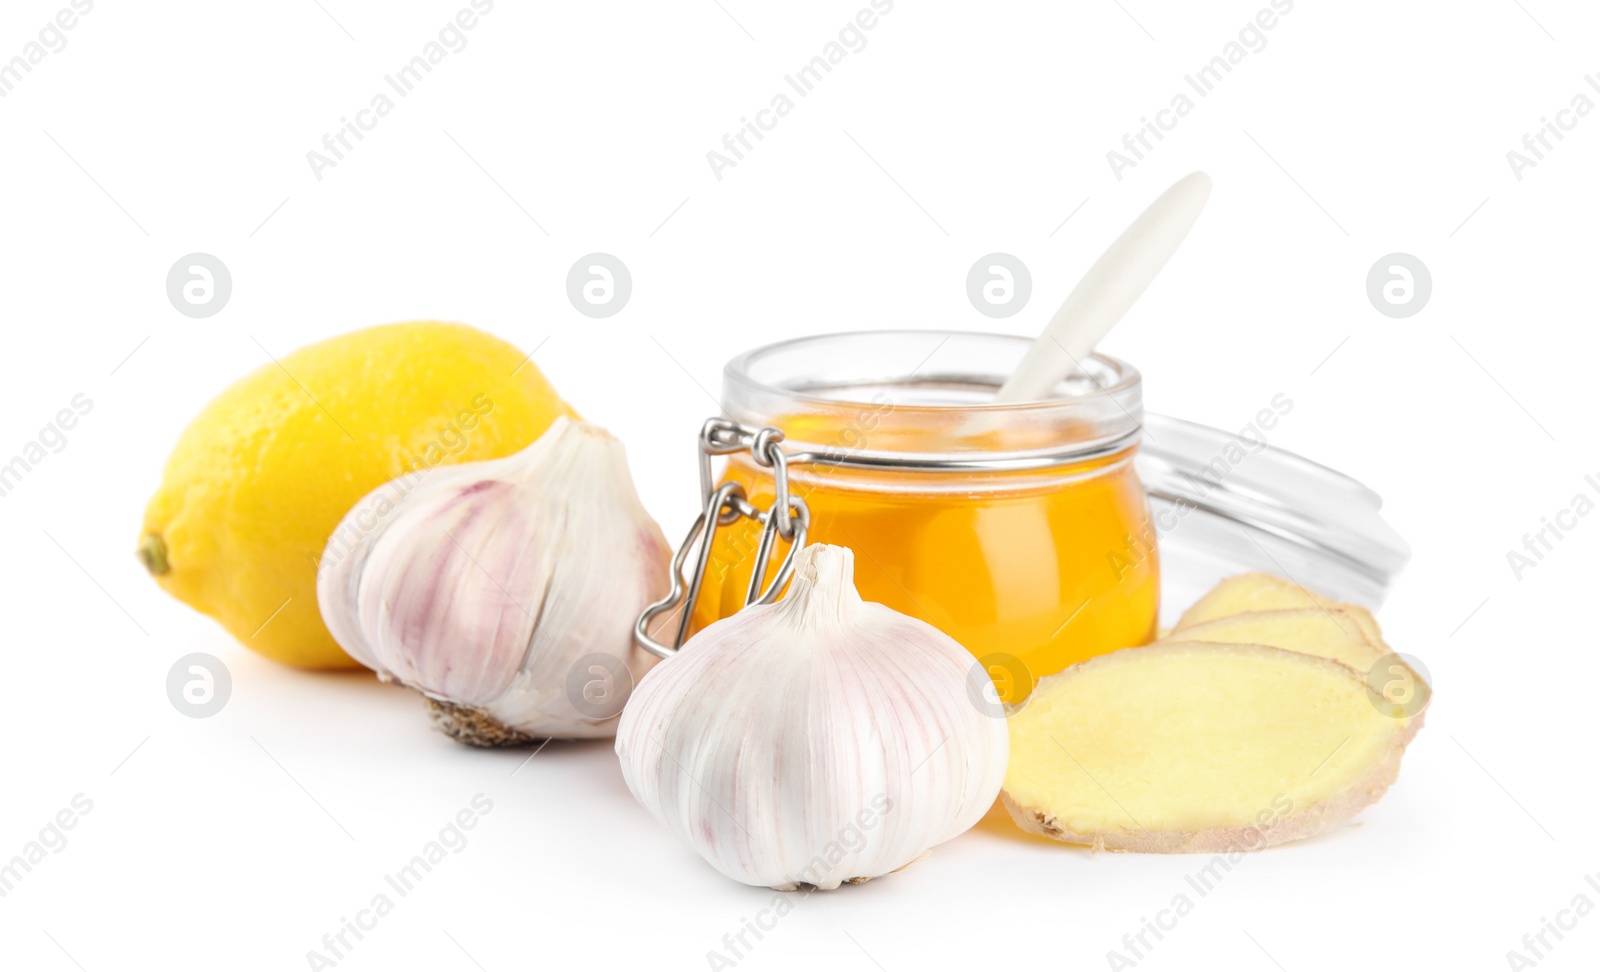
point(505, 591)
point(816, 740)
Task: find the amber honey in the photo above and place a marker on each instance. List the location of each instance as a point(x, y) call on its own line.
point(1043, 576)
point(1037, 557)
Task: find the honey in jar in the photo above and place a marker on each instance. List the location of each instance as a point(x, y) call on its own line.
point(1022, 531)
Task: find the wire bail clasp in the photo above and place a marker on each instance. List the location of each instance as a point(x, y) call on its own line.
point(788, 519)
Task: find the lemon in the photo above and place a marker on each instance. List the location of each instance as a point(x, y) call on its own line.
point(262, 476)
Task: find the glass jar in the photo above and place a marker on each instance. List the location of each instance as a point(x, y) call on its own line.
point(1020, 530)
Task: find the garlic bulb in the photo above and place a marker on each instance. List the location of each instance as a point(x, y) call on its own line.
point(505, 591)
point(817, 740)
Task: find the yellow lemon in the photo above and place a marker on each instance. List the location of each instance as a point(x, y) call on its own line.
point(260, 479)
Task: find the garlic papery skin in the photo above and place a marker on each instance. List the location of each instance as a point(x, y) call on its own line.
point(817, 740)
point(505, 591)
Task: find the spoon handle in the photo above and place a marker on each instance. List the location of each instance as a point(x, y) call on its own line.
point(1107, 291)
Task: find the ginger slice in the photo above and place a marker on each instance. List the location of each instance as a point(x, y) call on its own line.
point(1244, 593)
point(1333, 632)
point(1198, 748)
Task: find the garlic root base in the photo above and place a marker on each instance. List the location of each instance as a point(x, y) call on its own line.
point(808, 888)
point(472, 725)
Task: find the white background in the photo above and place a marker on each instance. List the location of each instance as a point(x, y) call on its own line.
point(1363, 128)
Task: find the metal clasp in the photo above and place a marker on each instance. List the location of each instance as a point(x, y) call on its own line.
point(789, 519)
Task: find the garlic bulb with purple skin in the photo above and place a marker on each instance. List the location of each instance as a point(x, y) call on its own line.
point(504, 591)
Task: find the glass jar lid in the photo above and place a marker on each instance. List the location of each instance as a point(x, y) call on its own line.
point(1223, 505)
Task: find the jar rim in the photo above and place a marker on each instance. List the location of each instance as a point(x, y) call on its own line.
point(738, 370)
point(930, 396)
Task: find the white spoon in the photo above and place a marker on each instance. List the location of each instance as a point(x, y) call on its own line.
point(1106, 292)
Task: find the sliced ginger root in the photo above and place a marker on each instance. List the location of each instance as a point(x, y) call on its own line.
point(1328, 632)
point(1198, 747)
point(1260, 609)
point(1245, 593)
